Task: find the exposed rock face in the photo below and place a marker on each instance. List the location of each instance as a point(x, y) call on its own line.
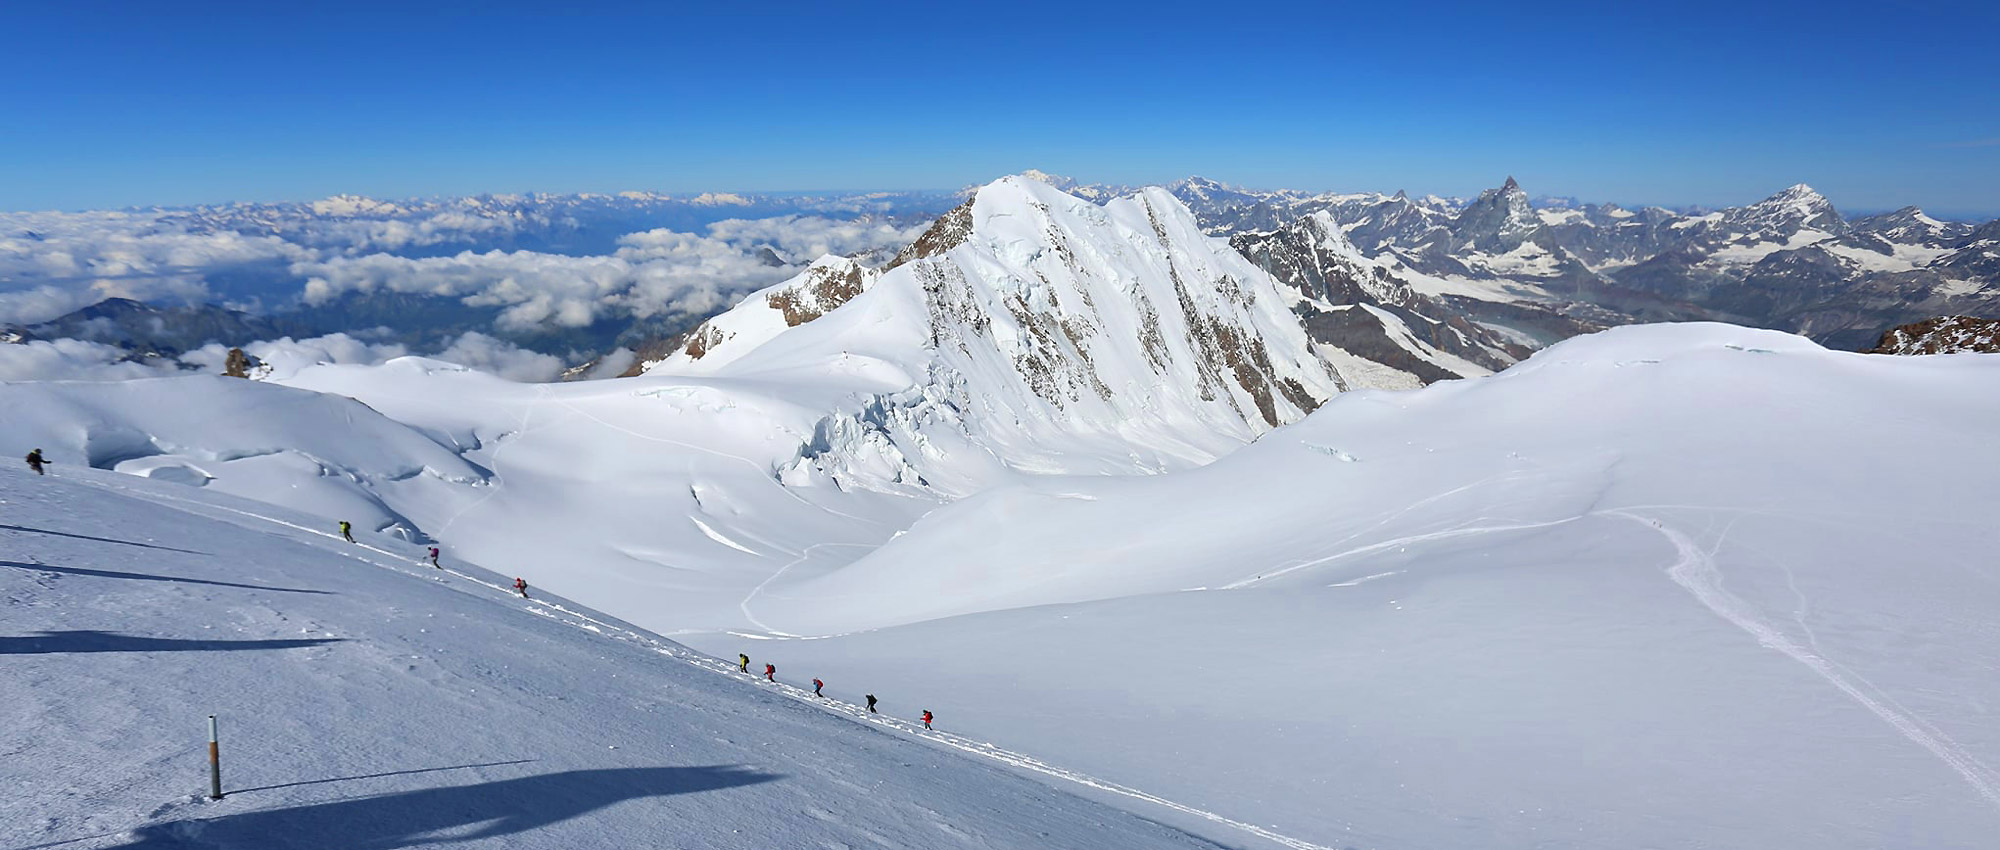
point(950, 230)
point(238, 364)
point(1942, 335)
point(1498, 222)
point(826, 285)
point(1359, 306)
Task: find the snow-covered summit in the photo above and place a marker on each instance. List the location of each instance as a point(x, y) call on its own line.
point(1028, 319)
point(1797, 208)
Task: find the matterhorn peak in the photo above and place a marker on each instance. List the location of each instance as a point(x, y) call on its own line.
point(1498, 221)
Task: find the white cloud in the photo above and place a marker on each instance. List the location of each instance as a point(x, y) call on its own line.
point(76, 360)
point(499, 357)
point(612, 365)
point(285, 357)
point(652, 272)
point(54, 263)
point(807, 238)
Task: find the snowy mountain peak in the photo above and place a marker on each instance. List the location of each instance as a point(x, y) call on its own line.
point(1498, 221)
point(352, 206)
point(1800, 199)
point(1799, 193)
point(1030, 318)
point(1910, 226)
point(1783, 215)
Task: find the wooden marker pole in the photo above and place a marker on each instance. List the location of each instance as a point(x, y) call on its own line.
point(214, 762)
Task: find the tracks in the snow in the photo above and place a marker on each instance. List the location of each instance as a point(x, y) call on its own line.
point(407, 564)
point(1695, 571)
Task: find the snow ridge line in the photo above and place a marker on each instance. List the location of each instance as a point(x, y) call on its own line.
point(559, 613)
point(1695, 571)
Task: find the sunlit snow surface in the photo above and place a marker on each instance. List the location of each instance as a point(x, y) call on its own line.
point(1663, 586)
point(1689, 585)
point(367, 700)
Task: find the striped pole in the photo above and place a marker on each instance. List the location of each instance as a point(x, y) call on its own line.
point(214, 762)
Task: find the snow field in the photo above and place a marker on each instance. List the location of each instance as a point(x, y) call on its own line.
point(339, 695)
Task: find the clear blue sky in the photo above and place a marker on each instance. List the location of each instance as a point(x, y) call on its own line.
point(141, 103)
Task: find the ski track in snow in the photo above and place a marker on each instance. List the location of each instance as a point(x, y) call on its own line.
point(1383, 519)
point(1365, 579)
point(550, 609)
point(1400, 541)
point(1695, 571)
point(804, 556)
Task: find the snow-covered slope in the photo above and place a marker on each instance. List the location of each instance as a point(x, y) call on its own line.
point(369, 701)
point(827, 414)
point(310, 451)
point(1688, 585)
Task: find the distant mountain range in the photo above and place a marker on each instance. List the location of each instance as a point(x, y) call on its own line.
point(1790, 262)
point(1397, 291)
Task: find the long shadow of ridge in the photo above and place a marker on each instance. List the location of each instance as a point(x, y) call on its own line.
point(46, 643)
point(381, 775)
point(84, 571)
point(102, 539)
point(413, 818)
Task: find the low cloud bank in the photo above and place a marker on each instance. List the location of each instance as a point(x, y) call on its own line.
point(82, 360)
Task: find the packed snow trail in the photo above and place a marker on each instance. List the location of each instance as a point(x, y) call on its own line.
point(1695, 571)
point(554, 609)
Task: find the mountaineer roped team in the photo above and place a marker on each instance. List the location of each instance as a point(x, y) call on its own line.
point(36, 461)
point(742, 660)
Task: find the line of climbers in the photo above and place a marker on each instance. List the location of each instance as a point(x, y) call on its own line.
point(521, 585)
point(347, 532)
point(771, 675)
point(36, 461)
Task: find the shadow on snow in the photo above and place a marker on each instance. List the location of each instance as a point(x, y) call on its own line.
point(83, 571)
point(100, 539)
point(412, 818)
point(380, 775)
point(96, 641)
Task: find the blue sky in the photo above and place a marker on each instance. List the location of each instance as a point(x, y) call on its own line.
point(108, 105)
